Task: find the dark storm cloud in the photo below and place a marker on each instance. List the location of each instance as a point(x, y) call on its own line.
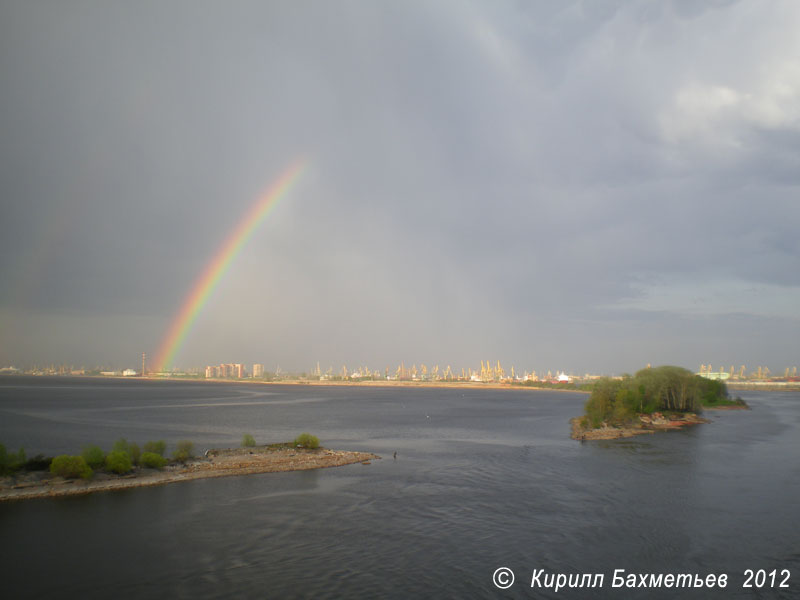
point(514, 179)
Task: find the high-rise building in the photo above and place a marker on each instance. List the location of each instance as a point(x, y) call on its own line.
point(238, 370)
point(258, 370)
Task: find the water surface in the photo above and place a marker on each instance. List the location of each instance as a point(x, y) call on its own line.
point(482, 479)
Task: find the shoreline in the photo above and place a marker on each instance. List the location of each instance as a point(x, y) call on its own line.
point(648, 424)
point(495, 385)
point(391, 384)
point(367, 383)
point(732, 385)
point(218, 463)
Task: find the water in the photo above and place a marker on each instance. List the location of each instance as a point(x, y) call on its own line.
point(482, 479)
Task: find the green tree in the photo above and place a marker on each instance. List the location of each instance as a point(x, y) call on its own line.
point(158, 447)
point(40, 462)
point(118, 462)
point(18, 460)
point(672, 388)
point(306, 440)
point(70, 467)
point(626, 403)
point(152, 460)
point(4, 461)
point(93, 456)
point(184, 451)
point(130, 448)
point(248, 441)
point(664, 388)
point(10, 462)
point(600, 405)
point(135, 452)
point(121, 445)
point(713, 391)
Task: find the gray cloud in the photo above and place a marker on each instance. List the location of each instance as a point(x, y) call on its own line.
point(512, 181)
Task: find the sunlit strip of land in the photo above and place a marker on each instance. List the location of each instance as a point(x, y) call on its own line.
point(488, 376)
point(567, 383)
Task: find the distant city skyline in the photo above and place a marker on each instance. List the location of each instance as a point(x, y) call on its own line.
point(488, 371)
point(589, 186)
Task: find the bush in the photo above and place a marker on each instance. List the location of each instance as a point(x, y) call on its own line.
point(129, 448)
point(306, 440)
point(10, 461)
point(70, 467)
point(184, 451)
point(248, 441)
point(40, 462)
point(18, 459)
point(135, 453)
point(600, 404)
point(152, 460)
point(158, 447)
point(118, 462)
point(121, 445)
point(94, 456)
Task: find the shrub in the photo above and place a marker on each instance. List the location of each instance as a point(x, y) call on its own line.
point(18, 459)
point(70, 467)
point(600, 404)
point(248, 441)
point(94, 456)
point(11, 461)
point(121, 445)
point(158, 447)
point(306, 440)
point(626, 406)
point(129, 448)
point(4, 462)
point(118, 462)
point(152, 460)
point(135, 453)
point(40, 462)
point(183, 451)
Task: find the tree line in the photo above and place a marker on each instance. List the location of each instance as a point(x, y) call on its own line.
point(667, 389)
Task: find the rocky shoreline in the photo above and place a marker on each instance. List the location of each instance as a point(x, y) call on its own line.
point(647, 424)
point(216, 463)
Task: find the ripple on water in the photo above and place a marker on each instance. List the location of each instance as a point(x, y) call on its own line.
point(490, 479)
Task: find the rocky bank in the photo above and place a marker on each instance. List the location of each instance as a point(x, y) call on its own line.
point(216, 463)
point(647, 424)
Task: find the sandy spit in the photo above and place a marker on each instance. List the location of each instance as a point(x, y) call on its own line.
point(218, 463)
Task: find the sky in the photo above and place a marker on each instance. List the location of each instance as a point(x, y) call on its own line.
point(581, 186)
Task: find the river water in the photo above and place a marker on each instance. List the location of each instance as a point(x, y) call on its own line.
point(482, 479)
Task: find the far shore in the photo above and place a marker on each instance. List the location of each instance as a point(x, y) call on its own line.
point(382, 383)
point(790, 386)
point(366, 383)
point(217, 463)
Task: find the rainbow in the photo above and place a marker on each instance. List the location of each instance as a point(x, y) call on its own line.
point(216, 268)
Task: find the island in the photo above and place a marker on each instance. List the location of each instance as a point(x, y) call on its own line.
point(247, 460)
point(654, 399)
